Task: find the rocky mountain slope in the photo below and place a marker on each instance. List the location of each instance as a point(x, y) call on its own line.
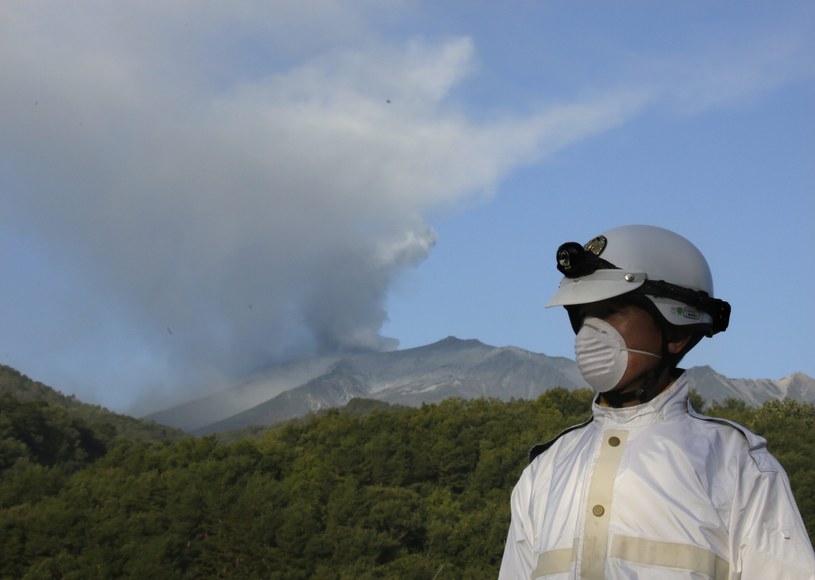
point(449, 368)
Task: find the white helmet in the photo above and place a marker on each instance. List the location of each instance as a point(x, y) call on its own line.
point(643, 261)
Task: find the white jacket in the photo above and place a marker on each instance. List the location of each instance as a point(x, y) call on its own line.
point(656, 491)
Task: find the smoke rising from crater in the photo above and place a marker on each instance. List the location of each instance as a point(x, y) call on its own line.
point(216, 193)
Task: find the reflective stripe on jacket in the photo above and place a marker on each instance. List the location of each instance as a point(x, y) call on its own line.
point(656, 491)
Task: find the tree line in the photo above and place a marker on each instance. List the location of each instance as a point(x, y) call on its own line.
point(369, 491)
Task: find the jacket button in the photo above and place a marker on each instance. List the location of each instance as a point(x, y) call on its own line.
point(614, 441)
point(598, 510)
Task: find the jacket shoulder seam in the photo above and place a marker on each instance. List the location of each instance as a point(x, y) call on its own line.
point(756, 446)
point(541, 447)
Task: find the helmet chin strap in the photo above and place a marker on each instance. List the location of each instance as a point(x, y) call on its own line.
point(655, 381)
point(617, 400)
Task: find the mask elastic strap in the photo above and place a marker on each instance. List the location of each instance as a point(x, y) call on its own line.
point(645, 352)
point(647, 391)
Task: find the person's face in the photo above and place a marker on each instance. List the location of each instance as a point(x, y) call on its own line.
point(640, 331)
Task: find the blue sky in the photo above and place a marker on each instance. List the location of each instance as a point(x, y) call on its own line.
point(191, 191)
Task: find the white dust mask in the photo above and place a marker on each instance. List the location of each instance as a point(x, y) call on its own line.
point(602, 355)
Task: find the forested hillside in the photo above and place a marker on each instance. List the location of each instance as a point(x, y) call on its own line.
point(366, 492)
point(17, 385)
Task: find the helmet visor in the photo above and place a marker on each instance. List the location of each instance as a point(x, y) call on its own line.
point(600, 285)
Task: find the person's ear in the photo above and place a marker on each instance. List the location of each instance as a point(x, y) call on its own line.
point(678, 340)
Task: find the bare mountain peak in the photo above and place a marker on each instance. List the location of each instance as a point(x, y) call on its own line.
point(451, 367)
point(455, 342)
point(797, 377)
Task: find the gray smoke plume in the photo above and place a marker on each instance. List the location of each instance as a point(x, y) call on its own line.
point(199, 195)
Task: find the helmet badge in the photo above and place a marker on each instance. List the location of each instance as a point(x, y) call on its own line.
point(596, 245)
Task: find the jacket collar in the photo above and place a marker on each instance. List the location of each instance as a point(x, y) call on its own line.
point(671, 402)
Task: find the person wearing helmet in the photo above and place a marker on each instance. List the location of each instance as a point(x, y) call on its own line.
point(647, 488)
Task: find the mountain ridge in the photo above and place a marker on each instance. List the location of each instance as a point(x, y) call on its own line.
point(451, 367)
point(465, 368)
point(24, 389)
